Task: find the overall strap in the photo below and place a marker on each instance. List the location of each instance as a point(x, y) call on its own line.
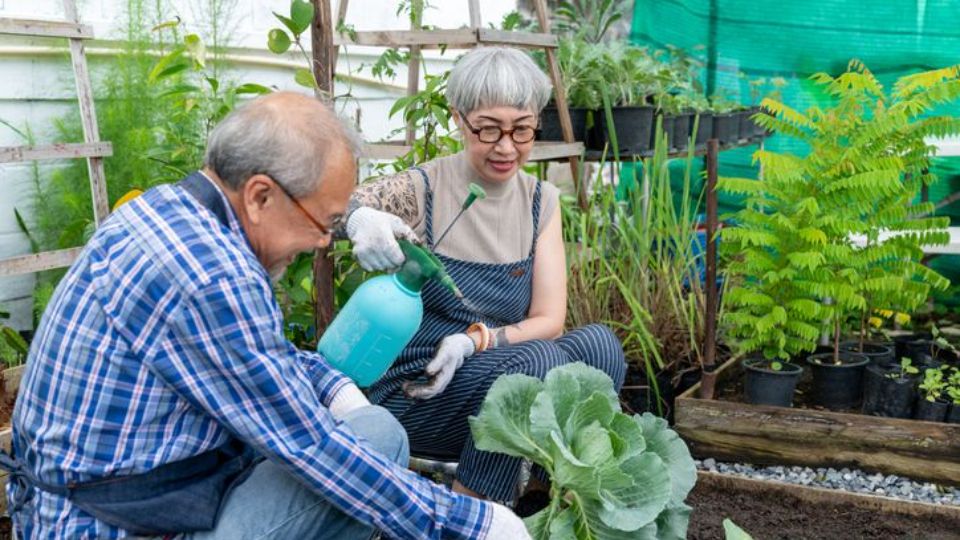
point(207, 195)
point(536, 217)
point(428, 211)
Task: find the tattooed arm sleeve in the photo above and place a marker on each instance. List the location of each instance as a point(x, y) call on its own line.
point(394, 194)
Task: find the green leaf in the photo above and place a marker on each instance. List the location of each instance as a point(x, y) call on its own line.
point(665, 443)
point(304, 77)
point(197, 49)
point(251, 88)
point(672, 523)
point(592, 445)
point(288, 22)
point(733, 532)
point(160, 70)
point(278, 41)
point(301, 14)
point(503, 424)
point(632, 506)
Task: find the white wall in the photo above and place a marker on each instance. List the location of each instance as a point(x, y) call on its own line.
point(38, 82)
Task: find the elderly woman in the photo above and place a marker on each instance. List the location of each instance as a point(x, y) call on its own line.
point(505, 253)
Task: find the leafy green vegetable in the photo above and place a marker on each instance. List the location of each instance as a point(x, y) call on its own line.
point(613, 475)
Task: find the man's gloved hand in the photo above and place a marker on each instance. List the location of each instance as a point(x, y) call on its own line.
point(374, 235)
point(450, 356)
point(347, 399)
point(506, 524)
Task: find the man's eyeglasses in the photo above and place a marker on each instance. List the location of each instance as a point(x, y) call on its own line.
point(320, 227)
point(493, 134)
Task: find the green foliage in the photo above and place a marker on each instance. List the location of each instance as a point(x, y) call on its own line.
point(13, 348)
point(904, 370)
point(732, 532)
point(632, 265)
point(587, 20)
point(279, 40)
point(934, 384)
point(793, 260)
point(953, 386)
point(429, 114)
point(613, 475)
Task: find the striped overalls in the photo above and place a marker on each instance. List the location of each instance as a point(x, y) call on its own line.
point(501, 295)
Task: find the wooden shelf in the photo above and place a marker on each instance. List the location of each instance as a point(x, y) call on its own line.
point(542, 150)
point(453, 39)
point(41, 28)
point(14, 154)
point(37, 262)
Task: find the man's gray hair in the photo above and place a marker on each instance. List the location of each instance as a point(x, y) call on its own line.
point(284, 135)
point(497, 76)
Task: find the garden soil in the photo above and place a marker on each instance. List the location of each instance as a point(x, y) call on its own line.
point(788, 517)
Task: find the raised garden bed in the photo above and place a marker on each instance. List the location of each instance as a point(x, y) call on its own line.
point(730, 429)
point(9, 384)
point(767, 509)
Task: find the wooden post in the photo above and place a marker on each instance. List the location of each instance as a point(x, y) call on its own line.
point(413, 66)
point(560, 96)
point(323, 56)
point(709, 377)
point(341, 16)
point(88, 118)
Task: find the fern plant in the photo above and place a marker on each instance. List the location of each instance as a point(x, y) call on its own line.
point(798, 267)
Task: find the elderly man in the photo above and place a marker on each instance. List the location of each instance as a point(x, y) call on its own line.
point(161, 396)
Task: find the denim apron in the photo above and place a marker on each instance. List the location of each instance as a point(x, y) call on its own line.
point(498, 294)
point(178, 497)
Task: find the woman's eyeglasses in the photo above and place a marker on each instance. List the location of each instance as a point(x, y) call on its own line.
point(493, 134)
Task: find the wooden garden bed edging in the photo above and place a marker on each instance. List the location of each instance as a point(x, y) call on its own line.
point(11, 383)
point(763, 434)
point(816, 495)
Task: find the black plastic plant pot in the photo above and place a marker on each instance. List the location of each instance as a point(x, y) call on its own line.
point(550, 129)
point(837, 386)
point(632, 125)
point(931, 411)
point(726, 127)
point(681, 131)
point(953, 414)
point(924, 352)
point(704, 129)
point(764, 386)
point(884, 395)
point(880, 354)
point(666, 124)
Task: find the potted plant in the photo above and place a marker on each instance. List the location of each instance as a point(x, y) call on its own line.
point(931, 405)
point(953, 393)
point(726, 123)
point(890, 393)
point(628, 76)
point(578, 61)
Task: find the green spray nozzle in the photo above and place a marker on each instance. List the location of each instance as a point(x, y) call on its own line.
point(476, 193)
point(421, 266)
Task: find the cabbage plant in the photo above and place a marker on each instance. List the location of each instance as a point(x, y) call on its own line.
point(612, 475)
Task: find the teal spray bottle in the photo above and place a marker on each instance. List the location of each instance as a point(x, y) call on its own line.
point(384, 313)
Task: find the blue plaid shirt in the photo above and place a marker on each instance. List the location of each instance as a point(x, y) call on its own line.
point(162, 341)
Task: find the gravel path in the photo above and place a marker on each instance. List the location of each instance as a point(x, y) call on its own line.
point(854, 480)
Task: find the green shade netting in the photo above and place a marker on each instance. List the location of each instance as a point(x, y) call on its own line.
point(743, 40)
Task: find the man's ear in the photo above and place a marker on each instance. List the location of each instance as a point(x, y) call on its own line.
point(258, 196)
point(455, 114)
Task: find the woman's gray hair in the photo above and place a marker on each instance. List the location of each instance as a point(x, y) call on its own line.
point(497, 76)
point(284, 135)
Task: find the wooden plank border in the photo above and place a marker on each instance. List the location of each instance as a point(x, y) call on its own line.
point(14, 154)
point(452, 39)
point(42, 28)
point(37, 262)
point(780, 435)
point(818, 496)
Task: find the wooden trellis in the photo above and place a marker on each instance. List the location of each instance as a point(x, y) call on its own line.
point(92, 149)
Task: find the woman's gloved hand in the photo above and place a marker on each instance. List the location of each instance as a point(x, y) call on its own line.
point(374, 235)
point(451, 353)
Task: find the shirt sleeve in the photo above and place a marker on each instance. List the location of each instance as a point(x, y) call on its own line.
point(326, 380)
point(225, 353)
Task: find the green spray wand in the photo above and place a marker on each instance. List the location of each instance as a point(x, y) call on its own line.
point(476, 193)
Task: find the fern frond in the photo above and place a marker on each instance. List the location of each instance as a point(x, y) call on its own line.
point(908, 84)
point(786, 113)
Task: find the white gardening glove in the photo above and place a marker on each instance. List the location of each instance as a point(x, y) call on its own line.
point(374, 235)
point(450, 356)
point(506, 524)
point(347, 399)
